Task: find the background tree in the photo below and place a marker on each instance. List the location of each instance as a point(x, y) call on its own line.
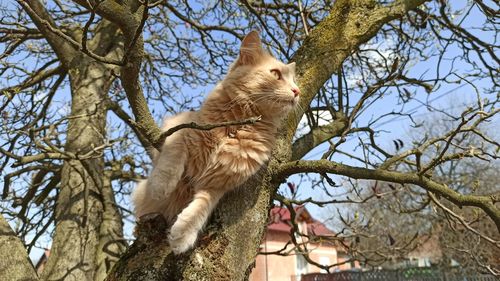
point(84, 81)
point(386, 230)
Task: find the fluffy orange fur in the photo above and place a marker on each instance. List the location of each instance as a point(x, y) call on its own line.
point(195, 168)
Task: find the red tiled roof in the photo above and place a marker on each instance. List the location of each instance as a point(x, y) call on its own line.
point(318, 229)
point(42, 261)
point(280, 221)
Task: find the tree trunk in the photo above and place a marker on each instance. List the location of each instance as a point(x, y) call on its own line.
point(13, 264)
point(80, 208)
point(111, 243)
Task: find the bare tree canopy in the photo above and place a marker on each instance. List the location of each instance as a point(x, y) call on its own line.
point(85, 83)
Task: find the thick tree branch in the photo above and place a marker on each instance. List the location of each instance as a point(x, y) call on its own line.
point(44, 22)
point(486, 203)
point(131, 82)
point(317, 136)
point(349, 24)
point(113, 11)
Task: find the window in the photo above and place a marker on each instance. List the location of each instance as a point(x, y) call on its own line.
point(424, 262)
point(324, 261)
point(301, 264)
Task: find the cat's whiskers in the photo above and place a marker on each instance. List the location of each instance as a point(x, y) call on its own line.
point(234, 100)
point(237, 101)
point(261, 98)
point(298, 108)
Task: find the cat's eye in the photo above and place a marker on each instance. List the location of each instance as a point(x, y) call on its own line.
point(276, 73)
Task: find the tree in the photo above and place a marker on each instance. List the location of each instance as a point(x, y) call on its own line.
point(405, 219)
point(67, 167)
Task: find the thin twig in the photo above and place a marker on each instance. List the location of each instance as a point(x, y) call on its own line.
point(205, 127)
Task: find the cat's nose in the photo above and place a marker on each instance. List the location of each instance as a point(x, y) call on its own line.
point(296, 91)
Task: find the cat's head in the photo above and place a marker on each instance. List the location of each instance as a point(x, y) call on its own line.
point(267, 82)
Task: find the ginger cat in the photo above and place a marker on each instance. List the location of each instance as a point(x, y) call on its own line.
point(196, 168)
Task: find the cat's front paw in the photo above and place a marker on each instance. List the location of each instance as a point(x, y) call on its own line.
point(180, 241)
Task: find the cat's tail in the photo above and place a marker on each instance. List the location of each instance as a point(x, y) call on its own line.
point(139, 198)
point(154, 153)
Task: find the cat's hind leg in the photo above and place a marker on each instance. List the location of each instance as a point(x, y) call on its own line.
point(168, 169)
point(169, 164)
point(143, 203)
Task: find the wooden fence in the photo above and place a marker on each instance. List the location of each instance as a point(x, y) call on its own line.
point(409, 274)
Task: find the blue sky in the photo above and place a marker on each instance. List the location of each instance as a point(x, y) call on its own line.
point(445, 96)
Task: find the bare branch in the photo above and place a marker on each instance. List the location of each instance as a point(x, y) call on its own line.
point(486, 203)
point(47, 26)
point(205, 127)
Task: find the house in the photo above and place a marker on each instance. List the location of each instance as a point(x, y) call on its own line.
point(427, 253)
point(272, 267)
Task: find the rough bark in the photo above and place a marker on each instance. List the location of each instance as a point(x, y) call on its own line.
point(228, 246)
point(79, 210)
point(13, 266)
point(111, 243)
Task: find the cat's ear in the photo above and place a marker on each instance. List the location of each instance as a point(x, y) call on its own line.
point(251, 49)
point(291, 67)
